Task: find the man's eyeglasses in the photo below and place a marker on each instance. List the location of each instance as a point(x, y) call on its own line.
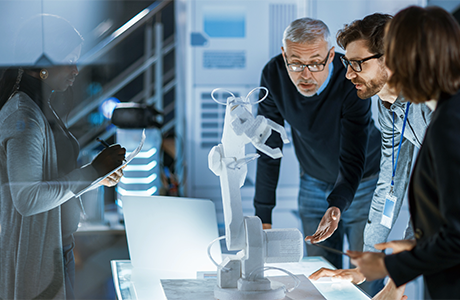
point(356, 64)
point(295, 67)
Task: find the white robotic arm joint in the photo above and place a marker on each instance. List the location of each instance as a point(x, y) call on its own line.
point(256, 246)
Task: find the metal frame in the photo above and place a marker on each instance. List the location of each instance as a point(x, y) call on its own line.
point(143, 65)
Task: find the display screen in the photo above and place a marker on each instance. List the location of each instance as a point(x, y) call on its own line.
point(224, 22)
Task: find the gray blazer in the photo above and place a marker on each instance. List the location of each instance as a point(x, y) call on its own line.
point(418, 118)
point(31, 257)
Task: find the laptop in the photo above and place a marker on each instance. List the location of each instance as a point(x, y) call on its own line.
point(171, 234)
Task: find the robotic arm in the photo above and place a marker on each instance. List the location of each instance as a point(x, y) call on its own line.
point(241, 276)
point(256, 130)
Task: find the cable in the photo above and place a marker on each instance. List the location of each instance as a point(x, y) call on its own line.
point(246, 99)
point(254, 272)
point(296, 279)
point(209, 253)
point(217, 101)
point(256, 89)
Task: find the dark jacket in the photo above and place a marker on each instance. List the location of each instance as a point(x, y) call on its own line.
point(434, 199)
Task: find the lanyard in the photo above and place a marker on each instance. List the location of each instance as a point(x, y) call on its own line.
point(393, 163)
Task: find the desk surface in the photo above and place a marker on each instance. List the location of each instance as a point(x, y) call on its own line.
point(133, 284)
point(110, 225)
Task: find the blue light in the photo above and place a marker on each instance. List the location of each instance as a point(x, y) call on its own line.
point(119, 203)
point(106, 108)
point(95, 118)
point(146, 167)
point(139, 180)
point(145, 154)
point(148, 192)
point(142, 174)
point(94, 88)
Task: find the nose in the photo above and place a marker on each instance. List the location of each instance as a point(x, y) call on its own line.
point(350, 73)
point(306, 73)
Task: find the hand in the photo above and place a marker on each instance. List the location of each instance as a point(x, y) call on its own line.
point(108, 159)
point(352, 275)
point(113, 178)
point(391, 292)
point(266, 226)
point(397, 246)
point(370, 264)
point(327, 226)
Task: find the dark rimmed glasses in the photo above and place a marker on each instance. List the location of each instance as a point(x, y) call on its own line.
point(356, 64)
point(295, 67)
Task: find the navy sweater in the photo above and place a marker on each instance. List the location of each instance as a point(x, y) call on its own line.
point(333, 133)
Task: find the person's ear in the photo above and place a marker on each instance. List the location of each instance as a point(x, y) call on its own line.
point(332, 55)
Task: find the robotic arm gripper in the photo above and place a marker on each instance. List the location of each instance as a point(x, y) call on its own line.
point(241, 277)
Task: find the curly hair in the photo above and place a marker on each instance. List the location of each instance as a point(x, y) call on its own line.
point(371, 29)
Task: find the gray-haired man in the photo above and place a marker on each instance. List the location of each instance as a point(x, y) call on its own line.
point(335, 140)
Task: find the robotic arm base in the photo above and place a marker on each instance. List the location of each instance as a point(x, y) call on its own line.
point(276, 292)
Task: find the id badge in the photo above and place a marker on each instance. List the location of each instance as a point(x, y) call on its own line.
point(388, 210)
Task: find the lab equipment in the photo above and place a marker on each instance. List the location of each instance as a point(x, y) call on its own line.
point(141, 176)
point(136, 115)
point(169, 235)
point(241, 276)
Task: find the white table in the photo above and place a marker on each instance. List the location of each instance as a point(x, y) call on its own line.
point(133, 284)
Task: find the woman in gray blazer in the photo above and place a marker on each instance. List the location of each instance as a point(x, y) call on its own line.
point(39, 176)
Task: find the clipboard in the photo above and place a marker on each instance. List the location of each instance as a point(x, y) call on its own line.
point(128, 159)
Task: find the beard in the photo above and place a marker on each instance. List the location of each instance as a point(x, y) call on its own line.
point(371, 87)
point(310, 92)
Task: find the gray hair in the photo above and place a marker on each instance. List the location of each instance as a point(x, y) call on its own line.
point(307, 30)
